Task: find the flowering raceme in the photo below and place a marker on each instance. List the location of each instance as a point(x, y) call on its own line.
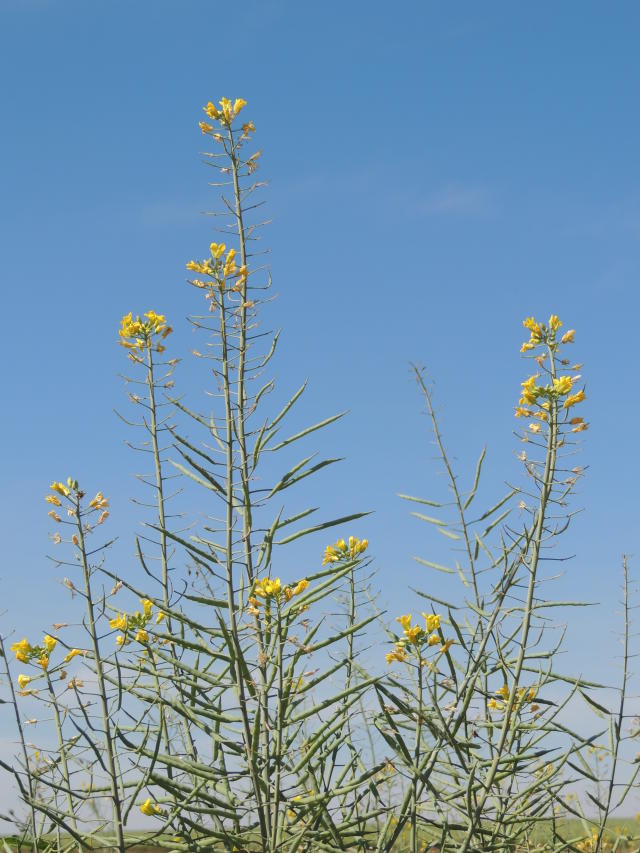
point(139, 333)
point(269, 588)
point(415, 637)
point(342, 551)
point(536, 398)
point(219, 268)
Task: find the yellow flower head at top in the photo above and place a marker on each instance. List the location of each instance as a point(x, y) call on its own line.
point(60, 488)
point(268, 588)
point(23, 680)
point(139, 333)
point(225, 113)
point(554, 322)
point(341, 550)
point(534, 328)
point(562, 385)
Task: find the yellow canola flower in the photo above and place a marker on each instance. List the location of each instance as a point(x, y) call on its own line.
point(300, 586)
point(530, 391)
point(494, 706)
point(205, 127)
point(238, 104)
point(204, 267)
point(44, 661)
point(53, 499)
point(432, 621)
point(503, 692)
point(227, 109)
point(568, 337)
point(49, 643)
point(405, 621)
point(142, 636)
point(433, 640)
point(60, 488)
point(23, 680)
point(399, 654)
point(413, 633)
point(534, 427)
point(562, 385)
point(230, 263)
point(160, 616)
point(572, 399)
point(217, 250)
point(533, 327)
point(554, 322)
point(120, 640)
point(147, 606)
point(119, 622)
point(99, 502)
point(149, 808)
point(526, 346)
point(268, 588)
point(211, 110)
point(521, 412)
point(21, 649)
point(72, 654)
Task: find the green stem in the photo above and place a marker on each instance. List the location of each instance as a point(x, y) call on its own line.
point(102, 690)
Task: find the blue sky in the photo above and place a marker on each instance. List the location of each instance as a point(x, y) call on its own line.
point(436, 173)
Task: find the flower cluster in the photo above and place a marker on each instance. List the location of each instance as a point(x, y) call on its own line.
point(135, 625)
point(537, 398)
point(220, 268)
point(224, 115)
point(344, 551)
point(541, 333)
point(415, 637)
point(523, 696)
point(139, 333)
point(59, 491)
point(272, 590)
point(26, 653)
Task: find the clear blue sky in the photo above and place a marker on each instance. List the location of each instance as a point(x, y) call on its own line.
point(437, 172)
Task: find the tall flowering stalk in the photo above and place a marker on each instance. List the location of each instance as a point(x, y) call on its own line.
point(467, 728)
